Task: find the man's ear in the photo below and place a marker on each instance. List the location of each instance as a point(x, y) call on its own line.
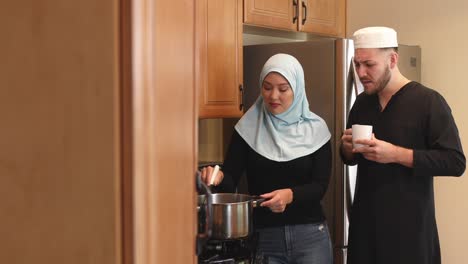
point(393, 60)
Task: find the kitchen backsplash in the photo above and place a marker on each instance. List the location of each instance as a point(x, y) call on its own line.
point(213, 137)
point(210, 140)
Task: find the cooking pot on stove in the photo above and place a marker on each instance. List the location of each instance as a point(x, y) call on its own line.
point(232, 214)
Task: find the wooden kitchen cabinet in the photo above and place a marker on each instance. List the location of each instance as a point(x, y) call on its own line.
point(219, 69)
point(322, 17)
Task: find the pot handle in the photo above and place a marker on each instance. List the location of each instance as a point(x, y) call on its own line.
point(202, 188)
point(257, 200)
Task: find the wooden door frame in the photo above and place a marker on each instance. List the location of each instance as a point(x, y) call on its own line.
point(160, 123)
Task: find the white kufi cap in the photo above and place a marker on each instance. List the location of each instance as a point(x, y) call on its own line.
point(375, 37)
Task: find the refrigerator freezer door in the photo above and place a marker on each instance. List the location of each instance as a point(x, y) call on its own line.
point(326, 68)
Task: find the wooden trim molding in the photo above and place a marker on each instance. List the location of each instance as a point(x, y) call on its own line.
point(164, 129)
point(142, 81)
point(125, 23)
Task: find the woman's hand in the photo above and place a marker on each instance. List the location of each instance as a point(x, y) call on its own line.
point(278, 200)
point(207, 174)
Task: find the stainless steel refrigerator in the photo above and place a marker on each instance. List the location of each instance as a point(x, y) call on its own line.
point(331, 87)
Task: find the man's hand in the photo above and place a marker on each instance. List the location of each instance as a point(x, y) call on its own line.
point(383, 152)
point(347, 144)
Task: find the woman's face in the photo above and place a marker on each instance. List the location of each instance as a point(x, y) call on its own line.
point(277, 93)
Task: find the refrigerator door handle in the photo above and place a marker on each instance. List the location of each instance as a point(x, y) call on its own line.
point(353, 89)
point(354, 86)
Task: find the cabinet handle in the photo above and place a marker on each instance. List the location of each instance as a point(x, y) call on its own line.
point(241, 93)
point(296, 11)
point(304, 7)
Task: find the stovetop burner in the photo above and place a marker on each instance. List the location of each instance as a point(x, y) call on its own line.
point(229, 251)
point(239, 251)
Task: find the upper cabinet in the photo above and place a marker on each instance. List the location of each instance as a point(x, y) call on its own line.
point(218, 61)
point(322, 17)
point(218, 42)
point(271, 13)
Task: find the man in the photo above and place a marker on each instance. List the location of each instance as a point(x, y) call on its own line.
point(414, 139)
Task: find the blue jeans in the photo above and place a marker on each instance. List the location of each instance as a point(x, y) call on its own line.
point(296, 244)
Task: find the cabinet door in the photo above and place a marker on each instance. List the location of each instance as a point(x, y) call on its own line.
point(281, 14)
point(324, 17)
point(219, 57)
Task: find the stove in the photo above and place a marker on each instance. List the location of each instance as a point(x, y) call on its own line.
point(237, 251)
point(214, 251)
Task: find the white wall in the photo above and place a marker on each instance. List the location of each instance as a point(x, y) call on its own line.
point(439, 27)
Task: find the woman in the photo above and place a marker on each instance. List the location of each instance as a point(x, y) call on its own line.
point(285, 151)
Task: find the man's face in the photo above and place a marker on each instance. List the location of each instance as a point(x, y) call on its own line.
point(373, 69)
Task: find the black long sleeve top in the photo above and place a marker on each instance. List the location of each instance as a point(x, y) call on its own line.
point(307, 176)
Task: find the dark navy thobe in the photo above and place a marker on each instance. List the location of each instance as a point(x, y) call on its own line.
point(393, 217)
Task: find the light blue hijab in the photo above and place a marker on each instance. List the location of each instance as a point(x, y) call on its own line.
point(295, 133)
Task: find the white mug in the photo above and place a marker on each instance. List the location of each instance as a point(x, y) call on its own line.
point(361, 132)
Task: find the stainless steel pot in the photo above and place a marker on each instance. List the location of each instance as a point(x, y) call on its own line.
point(232, 214)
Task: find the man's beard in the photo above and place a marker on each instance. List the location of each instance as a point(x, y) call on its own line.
point(382, 82)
